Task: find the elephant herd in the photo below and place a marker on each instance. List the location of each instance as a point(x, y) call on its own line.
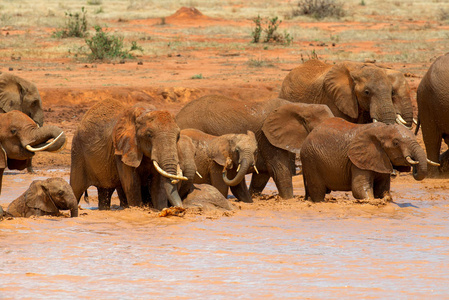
point(349, 123)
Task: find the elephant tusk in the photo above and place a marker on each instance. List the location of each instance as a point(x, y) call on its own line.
point(415, 121)
point(255, 169)
point(400, 119)
point(199, 175)
point(400, 123)
point(32, 149)
point(432, 163)
point(375, 121)
point(411, 161)
point(238, 168)
point(165, 174)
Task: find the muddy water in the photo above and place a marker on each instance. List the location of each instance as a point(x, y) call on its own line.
point(269, 249)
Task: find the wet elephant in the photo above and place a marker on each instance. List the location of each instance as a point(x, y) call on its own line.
point(21, 138)
point(119, 146)
point(356, 92)
point(279, 126)
point(45, 197)
point(433, 107)
point(342, 156)
point(223, 161)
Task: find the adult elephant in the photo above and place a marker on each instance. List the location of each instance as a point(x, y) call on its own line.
point(433, 110)
point(45, 197)
point(21, 138)
point(356, 92)
point(342, 156)
point(124, 147)
point(279, 126)
point(17, 93)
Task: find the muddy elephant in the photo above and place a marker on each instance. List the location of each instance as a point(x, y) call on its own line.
point(45, 197)
point(17, 93)
point(207, 198)
point(21, 138)
point(343, 156)
point(186, 155)
point(433, 107)
point(279, 126)
point(223, 161)
point(123, 147)
point(356, 92)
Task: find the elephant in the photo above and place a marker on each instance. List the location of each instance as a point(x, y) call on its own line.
point(217, 157)
point(356, 92)
point(207, 198)
point(21, 138)
point(17, 93)
point(433, 106)
point(186, 155)
point(124, 147)
point(342, 156)
point(45, 197)
point(279, 126)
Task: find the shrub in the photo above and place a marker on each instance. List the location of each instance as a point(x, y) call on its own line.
point(76, 25)
point(319, 8)
point(271, 34)
point(105, 46)
point(197, 76)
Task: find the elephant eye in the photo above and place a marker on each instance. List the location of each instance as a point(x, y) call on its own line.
point(178, 137)
point(60, 193)
point(392, 93)
point(395, 143)
point(13, 131)
point(366, 92)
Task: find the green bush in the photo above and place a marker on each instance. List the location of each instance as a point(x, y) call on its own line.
point(105, 46)
point(76, 25)
point(271, 33)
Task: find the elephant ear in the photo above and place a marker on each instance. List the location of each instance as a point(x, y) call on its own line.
point(125, 137)
point(366, 152)
point(219, 150)
point(37, 197)
point(287, 126)
point(338, 85)
point(10, 93)
point(3, 158)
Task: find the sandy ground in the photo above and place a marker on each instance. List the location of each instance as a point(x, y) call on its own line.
point(272, 248)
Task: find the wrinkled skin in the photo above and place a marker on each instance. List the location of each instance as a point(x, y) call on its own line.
point(279, 126)
point(433, 105)
point(17, 93)
point(342, 156)
point(115, 147)
point(356, 92)
point(17, 131)
point(216, 154)
point(206, 197)
point(45, 197)
point(186, 154)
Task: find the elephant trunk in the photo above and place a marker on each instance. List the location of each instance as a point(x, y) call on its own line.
point(407, 112)
point(169, 171)
point(172, 193)
point(244, 165)
point(74, 210)
point(38, 140)
point(386, 113)
point(420, 169)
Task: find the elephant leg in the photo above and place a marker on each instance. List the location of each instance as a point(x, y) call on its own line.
point(382, 186)
point(432, 138)
point(258, 182)
point(216, 180)
point(131, 183)
point(282, 177)
point(157, 192)
point(122, 197)
point(362, 183)
point(315, 188)
point(241, 192)
point(30, 166)
point(104, 198)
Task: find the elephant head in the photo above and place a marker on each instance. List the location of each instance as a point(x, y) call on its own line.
point(19, 94)
point(361, 92)
point(45, 197)
point(234, 151)
point(152, 134)
point(401, 98)
point(380, 147)
point(288, 126)
point(20, 138)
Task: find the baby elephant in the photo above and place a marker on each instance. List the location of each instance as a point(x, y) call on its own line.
point(342, 156)
point(219, 157)
point(45, 197)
